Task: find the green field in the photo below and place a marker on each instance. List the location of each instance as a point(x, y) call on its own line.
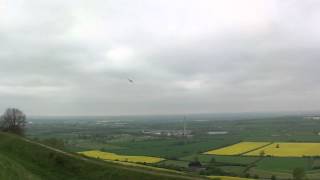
point(267, 174)
point(225, 159)
point(283, 164)
point(23, 159)
point(227, 178)
point(128, 139)
point(11, 169)
point(167, 148)
point(234, 169)
point(175, 163)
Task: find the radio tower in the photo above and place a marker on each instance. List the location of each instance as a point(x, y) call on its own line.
point(184, 126)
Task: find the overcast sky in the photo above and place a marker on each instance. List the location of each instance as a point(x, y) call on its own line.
point(74, 57)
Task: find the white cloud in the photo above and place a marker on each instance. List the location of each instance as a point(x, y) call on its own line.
point(121, 57)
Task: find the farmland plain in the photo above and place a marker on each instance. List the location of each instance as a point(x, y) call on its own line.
point(124, 135)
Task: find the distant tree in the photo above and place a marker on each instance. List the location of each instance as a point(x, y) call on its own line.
point(172, 158)
point(13, 120)
point(247, 175)
point(273, 177)
point(213, 160)
point(277, 146)
point(262, 153)
point(60, 160)
point(195, 163)
point(299, 174)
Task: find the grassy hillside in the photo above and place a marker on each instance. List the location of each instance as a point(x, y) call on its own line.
point(24, 159)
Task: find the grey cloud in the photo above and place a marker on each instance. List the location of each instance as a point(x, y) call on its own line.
point(69, 58)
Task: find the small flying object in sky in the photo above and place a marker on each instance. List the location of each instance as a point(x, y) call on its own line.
point(130, 80)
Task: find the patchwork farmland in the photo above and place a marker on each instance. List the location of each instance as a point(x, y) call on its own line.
point(275, 149)
point(252, 148)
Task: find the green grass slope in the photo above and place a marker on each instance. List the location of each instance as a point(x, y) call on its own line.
point(21, 159)
point(10, 169)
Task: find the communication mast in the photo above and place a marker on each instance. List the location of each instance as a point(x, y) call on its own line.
point(184, 126)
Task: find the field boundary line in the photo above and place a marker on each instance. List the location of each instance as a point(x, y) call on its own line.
point(220, 147)
point(255, 149)
point(253, 164)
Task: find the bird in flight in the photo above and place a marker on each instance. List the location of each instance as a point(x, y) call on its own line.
point(130, 80)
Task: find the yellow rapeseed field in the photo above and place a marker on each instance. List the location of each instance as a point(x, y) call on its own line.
point(237, 149)
point(288, 150)
point(123, 158)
